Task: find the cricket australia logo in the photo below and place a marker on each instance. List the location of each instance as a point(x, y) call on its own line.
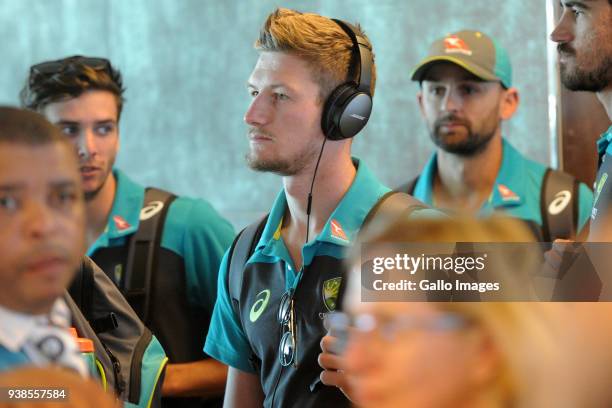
point(331, 288)
point(260, 305)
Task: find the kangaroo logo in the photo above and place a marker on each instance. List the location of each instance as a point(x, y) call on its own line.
point(260, 305)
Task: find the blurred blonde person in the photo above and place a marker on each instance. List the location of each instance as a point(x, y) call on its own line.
point(438, 355)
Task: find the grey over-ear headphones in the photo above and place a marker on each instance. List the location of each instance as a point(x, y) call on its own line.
point(348, 107)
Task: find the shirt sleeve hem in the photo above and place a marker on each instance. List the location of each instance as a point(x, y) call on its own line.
point(227, 356)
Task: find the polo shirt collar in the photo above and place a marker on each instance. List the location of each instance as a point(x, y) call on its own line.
point(424, 186)
point(508, 189)
point(604, 142)
point(270, 241)
point(125, 213)
point(344, 223)
point(15, 327)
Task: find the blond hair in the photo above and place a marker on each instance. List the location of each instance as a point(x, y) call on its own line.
point(403, 229)
point(321, 42)
point(523, 334)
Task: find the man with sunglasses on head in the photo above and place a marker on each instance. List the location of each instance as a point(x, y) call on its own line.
point(310, 94)
point(83, 96)
point(466, 94)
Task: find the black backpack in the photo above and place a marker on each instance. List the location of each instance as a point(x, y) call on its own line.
point(129, 358)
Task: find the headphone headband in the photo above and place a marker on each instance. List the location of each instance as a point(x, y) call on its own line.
point(364, 54)
point(348, 107)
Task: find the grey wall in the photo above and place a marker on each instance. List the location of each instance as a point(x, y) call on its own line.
point(185, 64)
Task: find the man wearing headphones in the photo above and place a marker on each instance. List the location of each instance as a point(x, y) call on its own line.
point(127, 225)
point(584, 37)
point(466, 93)
point(268, 319)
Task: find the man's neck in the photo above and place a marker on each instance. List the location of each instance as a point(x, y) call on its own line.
point(464, 183)
point(334, 177)
point(99, 208)
point(27, 310)
point(605, 97)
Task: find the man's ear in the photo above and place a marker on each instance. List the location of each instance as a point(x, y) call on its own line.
point(420, 102)
point(509, 103)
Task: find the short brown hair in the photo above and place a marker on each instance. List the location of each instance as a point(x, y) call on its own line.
point(72, 78)
point(320, 41)
point(25, 127)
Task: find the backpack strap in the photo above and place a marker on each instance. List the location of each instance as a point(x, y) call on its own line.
point(82, 294)
point(239, 253)
point(81, 289)
point(409, 187)
point(391, 206)
point(559, 205)
point(143, 249)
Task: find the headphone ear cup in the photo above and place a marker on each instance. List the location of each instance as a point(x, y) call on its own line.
point(333, 111)
point(355, 114)
point(346, 112)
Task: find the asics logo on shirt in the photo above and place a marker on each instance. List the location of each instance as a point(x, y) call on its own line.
point(260, 305)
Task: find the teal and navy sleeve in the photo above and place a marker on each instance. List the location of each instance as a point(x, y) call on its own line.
point(226, 340)
point(202, 237)
point(585, 204)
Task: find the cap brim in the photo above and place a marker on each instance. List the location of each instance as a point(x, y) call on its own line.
point(424, 65)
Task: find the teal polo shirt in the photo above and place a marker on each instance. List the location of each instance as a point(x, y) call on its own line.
point(226, 340)
point(516, 191)
point(193, 230)
point(338, 233)
point(237, 339)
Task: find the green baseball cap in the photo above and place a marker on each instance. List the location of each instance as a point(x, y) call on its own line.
point(473, 51)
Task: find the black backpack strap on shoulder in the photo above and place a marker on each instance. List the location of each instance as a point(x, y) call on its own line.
point(143, 248)
point(409, 187)
point(390, 207)
point(393, 205)
point(559, 205)
point(239, 253)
